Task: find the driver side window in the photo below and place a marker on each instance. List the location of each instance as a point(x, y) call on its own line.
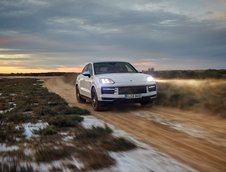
point(90, 69)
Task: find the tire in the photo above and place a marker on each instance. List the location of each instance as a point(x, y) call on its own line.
point(78, 96)
point(94, 101)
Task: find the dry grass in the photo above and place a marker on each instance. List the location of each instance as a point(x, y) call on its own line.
point(49, 130)
point(95, 159)
point(9, 134)
point(32, 101)
point(91, 135)
point(117, 144)
point(60, 121)
point(14, 166)
point(50, 153)
point(203, 95)
point(35, 103)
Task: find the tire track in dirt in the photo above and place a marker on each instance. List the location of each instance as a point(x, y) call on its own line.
point(198, 153)
point(164, 138)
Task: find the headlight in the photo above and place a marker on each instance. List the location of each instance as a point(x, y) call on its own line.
point(150, 78)
point(106, 81)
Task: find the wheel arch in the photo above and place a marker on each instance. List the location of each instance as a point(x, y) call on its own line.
point(77, 86)
point(94, 87)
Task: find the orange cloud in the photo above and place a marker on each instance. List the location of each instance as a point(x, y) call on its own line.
point(28, 63)
point(15, 56)
point(13, 40)
point(8, 69)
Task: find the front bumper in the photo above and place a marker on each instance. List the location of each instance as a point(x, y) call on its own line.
point(123, 94)
point(126, 100)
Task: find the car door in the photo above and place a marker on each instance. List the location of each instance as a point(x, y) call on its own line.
point(88, 81)
point(82, 81)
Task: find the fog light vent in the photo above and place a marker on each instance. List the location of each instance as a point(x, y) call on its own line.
point(151, 88)
point(107, 90)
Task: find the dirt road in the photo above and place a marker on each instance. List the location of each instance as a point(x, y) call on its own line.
point(195, 139)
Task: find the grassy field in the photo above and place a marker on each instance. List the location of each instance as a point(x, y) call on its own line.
point(38, 127)
point(206, 95)
point(189, 74)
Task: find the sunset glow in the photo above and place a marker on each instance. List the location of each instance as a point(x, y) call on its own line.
point(20, 70)
point(49, 36)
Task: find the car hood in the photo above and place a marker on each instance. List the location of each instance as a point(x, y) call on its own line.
point(132, 78)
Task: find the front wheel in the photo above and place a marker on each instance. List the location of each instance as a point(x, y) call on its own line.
point(94, 101)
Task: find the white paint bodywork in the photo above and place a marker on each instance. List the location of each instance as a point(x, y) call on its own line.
point(86, 83)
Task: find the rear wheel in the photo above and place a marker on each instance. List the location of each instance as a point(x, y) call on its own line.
point(94, 100)
point(78, 96)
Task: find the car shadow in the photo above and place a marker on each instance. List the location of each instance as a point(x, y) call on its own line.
point(130, 107)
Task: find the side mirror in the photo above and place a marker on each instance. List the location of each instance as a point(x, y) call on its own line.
point(87, 73)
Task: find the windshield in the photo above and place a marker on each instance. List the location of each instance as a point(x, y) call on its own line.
point(113, 67)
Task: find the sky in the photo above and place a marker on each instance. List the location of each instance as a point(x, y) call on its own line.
point(63, 35)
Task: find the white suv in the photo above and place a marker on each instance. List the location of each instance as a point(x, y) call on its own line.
point(108, 82)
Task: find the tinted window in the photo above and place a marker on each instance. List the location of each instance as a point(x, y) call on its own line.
point(113, 67)
point(90, 69)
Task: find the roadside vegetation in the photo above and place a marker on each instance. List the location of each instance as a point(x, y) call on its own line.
point(197, 90)
point(35, 74)
point(207, 95)
point(38, 128)
point(188, 74)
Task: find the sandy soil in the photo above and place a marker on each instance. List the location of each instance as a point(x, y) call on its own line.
point(197, 140)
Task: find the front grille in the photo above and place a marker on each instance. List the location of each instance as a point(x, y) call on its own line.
point(132, 90)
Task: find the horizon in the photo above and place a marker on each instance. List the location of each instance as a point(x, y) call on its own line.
point(17, 73)
point(61, 36)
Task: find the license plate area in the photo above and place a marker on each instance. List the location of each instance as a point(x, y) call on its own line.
point(132, 96)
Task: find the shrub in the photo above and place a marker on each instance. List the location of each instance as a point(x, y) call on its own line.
point(94, 133)
point(13, 165)
point(8, 133)
point(49, 130)
point(48, 154)
point(16, 117)
point(117, 144)
point(207, 95)
point(65, 120)
point(95, 159)
point(76, 110)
